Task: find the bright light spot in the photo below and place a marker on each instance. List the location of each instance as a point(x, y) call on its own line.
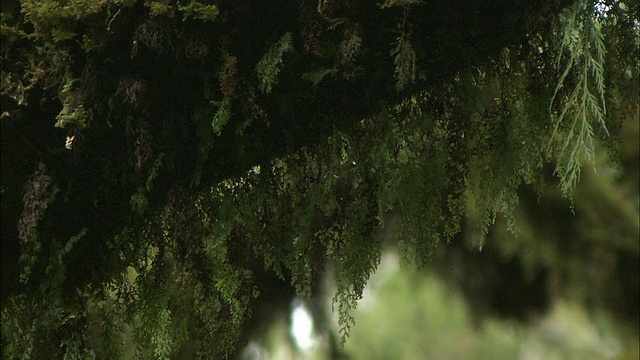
point(253, 351)
point(388, 266)
point(302, 327)
point(602, 8)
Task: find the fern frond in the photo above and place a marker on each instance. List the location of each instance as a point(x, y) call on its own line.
point(222, 116)
point(269, 66)
point(161, 339)
point(405, 63)
point(317, 75)
point(154, 170)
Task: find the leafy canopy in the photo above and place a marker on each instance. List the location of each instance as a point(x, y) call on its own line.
point(163, 155)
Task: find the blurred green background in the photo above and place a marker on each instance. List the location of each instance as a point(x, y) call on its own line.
point(566, 287)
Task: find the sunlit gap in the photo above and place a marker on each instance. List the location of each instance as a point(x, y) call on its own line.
point(302, 326)
point(602, 8)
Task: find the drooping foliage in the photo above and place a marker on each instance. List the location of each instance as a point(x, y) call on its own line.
point(159, 157)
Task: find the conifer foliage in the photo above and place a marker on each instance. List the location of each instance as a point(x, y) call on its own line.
point(583, 41)
point(160, 157)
